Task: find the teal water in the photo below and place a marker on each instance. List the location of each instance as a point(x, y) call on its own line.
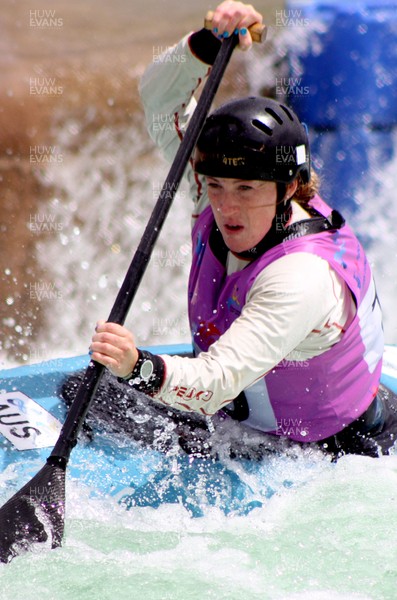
point(333, 536)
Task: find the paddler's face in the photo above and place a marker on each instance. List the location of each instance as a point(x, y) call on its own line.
point(243, 210)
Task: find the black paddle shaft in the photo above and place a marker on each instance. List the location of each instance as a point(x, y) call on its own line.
point(79, 408)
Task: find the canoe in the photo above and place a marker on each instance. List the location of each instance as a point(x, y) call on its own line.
point(140, 453)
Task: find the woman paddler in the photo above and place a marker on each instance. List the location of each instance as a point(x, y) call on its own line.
point(283, 311)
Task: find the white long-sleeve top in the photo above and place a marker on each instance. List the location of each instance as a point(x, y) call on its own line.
point(296, 308)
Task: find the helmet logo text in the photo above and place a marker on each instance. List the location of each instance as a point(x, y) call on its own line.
point(235, 161)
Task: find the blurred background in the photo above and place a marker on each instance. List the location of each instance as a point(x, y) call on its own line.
point(79, 175)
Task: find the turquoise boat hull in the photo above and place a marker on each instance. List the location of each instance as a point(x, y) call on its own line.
point(119, 466)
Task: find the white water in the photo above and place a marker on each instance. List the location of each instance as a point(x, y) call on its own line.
point(334, 536)
point(110, 187)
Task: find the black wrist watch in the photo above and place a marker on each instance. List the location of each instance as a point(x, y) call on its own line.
point(146, 368)
point(148, 373)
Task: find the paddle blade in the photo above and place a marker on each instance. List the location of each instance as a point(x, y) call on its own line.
point(34, 515)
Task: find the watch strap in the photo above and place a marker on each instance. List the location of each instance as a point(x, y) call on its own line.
point(148, 373)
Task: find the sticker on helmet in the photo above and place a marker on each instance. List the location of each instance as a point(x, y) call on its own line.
point(300, 154)
point(235, 161)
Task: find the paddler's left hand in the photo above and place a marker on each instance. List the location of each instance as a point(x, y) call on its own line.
point(114, 347)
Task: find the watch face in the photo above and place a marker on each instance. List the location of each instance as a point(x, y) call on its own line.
point(146, 369)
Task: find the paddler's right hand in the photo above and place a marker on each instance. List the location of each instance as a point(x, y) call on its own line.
point(114, 347)
point(230, 16)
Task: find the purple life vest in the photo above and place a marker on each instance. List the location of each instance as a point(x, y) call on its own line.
point(316, 398)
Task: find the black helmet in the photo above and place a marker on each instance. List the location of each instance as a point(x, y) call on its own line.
point(254, 138)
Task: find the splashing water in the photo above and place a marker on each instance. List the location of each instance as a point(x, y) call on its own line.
point(106, 193)
point(330, 535)
point(343, 546)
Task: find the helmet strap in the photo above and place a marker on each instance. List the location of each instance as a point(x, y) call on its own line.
point(281, 192)
point(283, 207)
point(279, 223)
